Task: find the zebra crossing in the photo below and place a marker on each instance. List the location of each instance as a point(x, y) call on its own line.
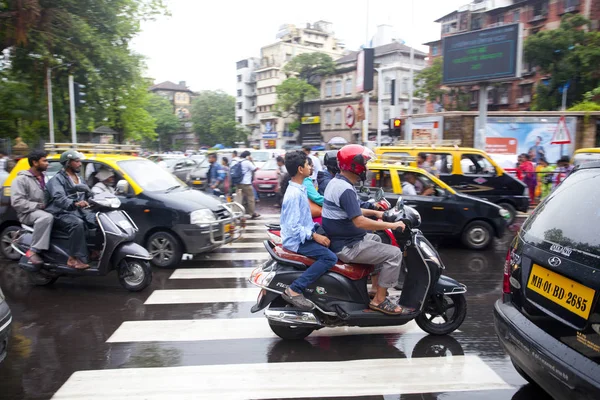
point(306, 369)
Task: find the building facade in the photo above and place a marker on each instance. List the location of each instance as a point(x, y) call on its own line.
point(270, 130)
point(339, 95)
point(535, 15)
point(245, 107)
point(181, 98)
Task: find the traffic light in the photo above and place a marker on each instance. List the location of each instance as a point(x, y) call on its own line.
point(396, 126)
point(79, 93)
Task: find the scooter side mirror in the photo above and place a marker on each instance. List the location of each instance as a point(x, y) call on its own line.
point(379, 194)
point(122, 187)
point(400, 204)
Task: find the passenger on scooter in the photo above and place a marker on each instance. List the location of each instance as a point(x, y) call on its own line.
point(27, 198)
point(69, 213)
point(298, 231)
point(106, 181)
point(346, 225)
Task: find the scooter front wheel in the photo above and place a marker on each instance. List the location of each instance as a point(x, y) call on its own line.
point(443, 314)
point(135, 274)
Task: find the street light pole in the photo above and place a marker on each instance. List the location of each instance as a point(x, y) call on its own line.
point(50, 107)
point(72, 104)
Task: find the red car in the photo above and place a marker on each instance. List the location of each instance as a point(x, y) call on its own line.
point(265, 178)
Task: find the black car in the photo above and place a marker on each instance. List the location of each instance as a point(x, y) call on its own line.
point(5, 322)
point(445, 212)
point(548, 319)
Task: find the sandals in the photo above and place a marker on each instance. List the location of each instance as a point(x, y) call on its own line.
point(389, 308)
point(298, 301)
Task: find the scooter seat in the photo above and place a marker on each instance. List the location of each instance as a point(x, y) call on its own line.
point(351, 271)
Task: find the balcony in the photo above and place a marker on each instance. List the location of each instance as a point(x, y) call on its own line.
point(568, 6)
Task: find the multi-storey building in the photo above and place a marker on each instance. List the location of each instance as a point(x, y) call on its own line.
point(181, 98)
point(245, 107)
point(274, 130)
point(535, 15)
point(338, 92)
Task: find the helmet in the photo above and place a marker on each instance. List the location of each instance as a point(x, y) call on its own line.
point(331, 162)
point(70, 155)
point(354, 158)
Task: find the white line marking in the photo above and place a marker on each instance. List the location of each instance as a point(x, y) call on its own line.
point(262, 235)
point(232, 256)
point(211, 273)
point(258, 245)
point(227, 329)
point(220, 295)
point(286, 380)
point(196, 296)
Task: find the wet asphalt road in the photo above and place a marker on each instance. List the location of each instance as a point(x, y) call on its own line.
point(69, 327)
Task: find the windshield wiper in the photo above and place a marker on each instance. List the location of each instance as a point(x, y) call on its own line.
point(172, 188)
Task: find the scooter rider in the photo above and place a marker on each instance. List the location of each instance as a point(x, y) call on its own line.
point(70, 215)
point(346, 226)
point(27, 198)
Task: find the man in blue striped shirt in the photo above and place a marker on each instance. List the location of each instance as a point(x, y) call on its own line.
point(298, 231)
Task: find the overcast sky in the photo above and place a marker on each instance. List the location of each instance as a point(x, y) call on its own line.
point(202, 40)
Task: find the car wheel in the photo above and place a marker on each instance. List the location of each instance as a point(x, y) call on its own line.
point(478, 235)
point(8, 235)
point(165, 249)
point(512, 211)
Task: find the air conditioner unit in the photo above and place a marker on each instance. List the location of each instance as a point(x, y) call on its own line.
point(520, 100)
point(526, 98)
point(504, 100)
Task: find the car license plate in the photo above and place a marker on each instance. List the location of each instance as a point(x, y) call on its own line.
point(227, 228)
point(563, 291)
point(197, 182)
point(265, 186)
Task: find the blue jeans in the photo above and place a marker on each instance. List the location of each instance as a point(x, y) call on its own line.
point(325, 259)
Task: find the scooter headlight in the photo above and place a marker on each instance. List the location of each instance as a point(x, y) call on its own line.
point(430, 253)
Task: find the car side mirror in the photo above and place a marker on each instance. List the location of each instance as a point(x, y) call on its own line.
point(122, 187)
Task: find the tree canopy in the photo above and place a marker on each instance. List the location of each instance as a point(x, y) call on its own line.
point(213, 115)
point(291, 93)
point(88, 39)
point(567, 54)
point(309, 67)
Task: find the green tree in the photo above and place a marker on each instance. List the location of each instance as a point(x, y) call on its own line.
point(567, 54)
point(213, 116)
point(166, 121)
point(310, 67)
point(591, 101)
point(291, 95)
point(90, 40)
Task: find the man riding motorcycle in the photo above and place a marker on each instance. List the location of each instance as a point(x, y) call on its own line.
point(347, 224)
point(69, 212)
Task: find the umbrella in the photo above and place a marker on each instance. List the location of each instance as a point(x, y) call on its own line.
point(218, 146)
point(318, 148)
point(338, 140)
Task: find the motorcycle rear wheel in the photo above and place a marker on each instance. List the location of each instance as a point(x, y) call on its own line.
point(436, 321)
point(288, 332)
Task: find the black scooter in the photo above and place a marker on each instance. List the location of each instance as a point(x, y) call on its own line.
point(341, 298)
point(119, 251)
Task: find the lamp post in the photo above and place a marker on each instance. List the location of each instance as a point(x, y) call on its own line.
point(50, 106)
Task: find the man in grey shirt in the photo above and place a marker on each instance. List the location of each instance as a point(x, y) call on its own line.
point(27, 198)
point(244, 190)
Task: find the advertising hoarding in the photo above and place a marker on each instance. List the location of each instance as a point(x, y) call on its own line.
point(483, 56)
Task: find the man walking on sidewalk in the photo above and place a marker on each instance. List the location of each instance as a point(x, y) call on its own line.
point(244, 191)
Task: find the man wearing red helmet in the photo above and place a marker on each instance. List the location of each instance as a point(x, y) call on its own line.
point(346, 226)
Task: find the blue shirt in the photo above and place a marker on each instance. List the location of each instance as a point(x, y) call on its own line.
point(340, 207)
point(311, 191)
point(216, 173)
point(296, 221)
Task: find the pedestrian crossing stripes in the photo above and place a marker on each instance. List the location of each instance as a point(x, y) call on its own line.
point(232, 256)
point(285, 380)
point(220, 295)
point(244, 245)
point(211, 273)
point(230, 329)
point(262, 235)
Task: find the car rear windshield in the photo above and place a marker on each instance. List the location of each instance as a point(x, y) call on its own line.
point(570, 217)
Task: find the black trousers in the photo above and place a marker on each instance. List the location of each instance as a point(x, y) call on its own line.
point(76, 224)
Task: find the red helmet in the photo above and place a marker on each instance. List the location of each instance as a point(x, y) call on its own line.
point(354, 158)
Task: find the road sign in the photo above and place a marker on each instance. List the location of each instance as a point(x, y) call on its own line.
point(350, 116)
point(561, 135)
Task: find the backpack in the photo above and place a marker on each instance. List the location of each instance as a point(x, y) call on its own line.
point(236, 173)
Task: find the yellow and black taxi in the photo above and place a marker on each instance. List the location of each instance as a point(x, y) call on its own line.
point(548, 319)
point(444, 211)
point(469, 171)
point(172, 218)
point(585, 155)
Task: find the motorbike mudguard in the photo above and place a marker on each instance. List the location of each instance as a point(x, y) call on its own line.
point(264, 301)
point(447, 285)
point(130, 249)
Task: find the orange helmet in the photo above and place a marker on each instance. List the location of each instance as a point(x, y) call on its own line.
point(354, 158)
